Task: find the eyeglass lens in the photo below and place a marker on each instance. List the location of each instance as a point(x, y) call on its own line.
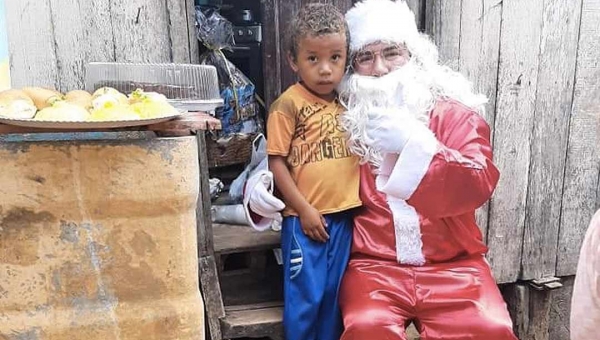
point(390, 53)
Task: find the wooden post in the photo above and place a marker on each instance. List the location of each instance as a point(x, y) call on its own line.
point(287, 11)
point(539, 315)
point(272, 58)
point(560, 311)
point(209, 278)
point(529, 309)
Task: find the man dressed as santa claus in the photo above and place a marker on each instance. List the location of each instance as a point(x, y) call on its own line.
point(417, 254)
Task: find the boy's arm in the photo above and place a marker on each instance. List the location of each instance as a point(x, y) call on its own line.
point(312, 222)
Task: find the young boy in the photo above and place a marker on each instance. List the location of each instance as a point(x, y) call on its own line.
point(316, 175)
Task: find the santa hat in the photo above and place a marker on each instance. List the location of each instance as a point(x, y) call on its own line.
point(381, 20)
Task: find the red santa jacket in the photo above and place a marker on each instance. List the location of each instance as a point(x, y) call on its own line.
point(420, 207)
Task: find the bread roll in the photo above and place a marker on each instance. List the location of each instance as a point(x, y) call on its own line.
point(106, 97)
point(16, 104)
point(105, 90)
point(63, 111)
point(80, 98)
point(42, 97)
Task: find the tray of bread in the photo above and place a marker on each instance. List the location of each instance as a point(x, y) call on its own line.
point(106, 107)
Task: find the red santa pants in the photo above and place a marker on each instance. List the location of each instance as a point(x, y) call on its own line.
point(452, 300)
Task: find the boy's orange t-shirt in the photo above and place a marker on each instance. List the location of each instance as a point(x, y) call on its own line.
point(306, 129)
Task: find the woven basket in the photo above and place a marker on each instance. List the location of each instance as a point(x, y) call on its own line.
point(230, 150)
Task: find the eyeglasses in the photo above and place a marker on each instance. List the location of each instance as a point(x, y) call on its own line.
point(393, 54)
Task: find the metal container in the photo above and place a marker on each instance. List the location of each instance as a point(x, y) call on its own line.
point(98, 240)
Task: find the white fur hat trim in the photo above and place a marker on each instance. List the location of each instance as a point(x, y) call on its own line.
point(380, 20)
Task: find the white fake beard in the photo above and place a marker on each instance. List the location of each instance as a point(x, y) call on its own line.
point(408, 86)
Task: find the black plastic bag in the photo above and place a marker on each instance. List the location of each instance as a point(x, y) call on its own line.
point(239, 114)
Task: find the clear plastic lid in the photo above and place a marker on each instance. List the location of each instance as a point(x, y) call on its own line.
point(187, 86)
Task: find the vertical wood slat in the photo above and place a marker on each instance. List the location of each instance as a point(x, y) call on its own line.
point(417, 7)
point(31, 43)
point(557, 60)
point(140, 31)
point(272, 62)
point(517, 83)
point(178, 30)
point(580, 194)
point(207, 267)
point(442, 22)
point(559, 325)
point(203, 213)
point(530, 310)
point(194, 43)
point(479, 47)
point(85, 36)
point(287, 11)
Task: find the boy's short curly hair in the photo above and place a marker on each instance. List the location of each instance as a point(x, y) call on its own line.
point(316, 19)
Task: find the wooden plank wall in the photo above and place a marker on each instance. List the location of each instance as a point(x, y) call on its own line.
point(537, 62)
point(50, 41)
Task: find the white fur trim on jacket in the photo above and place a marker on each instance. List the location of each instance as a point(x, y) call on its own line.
point(380, 20)
point(410, 166)
point(399, 176)
point(407, 230)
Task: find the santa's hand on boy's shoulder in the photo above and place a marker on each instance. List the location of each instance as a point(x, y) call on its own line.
point(388, 130)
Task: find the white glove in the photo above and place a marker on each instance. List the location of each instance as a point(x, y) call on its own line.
point(259, 199)
point(389, 130)
point(262, 201)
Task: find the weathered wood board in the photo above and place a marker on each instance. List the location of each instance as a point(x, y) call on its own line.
point(557, 60)
point(442, 22)
point(51, 41)
point(479, 47)
point(580, 194)
point(517, 85)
